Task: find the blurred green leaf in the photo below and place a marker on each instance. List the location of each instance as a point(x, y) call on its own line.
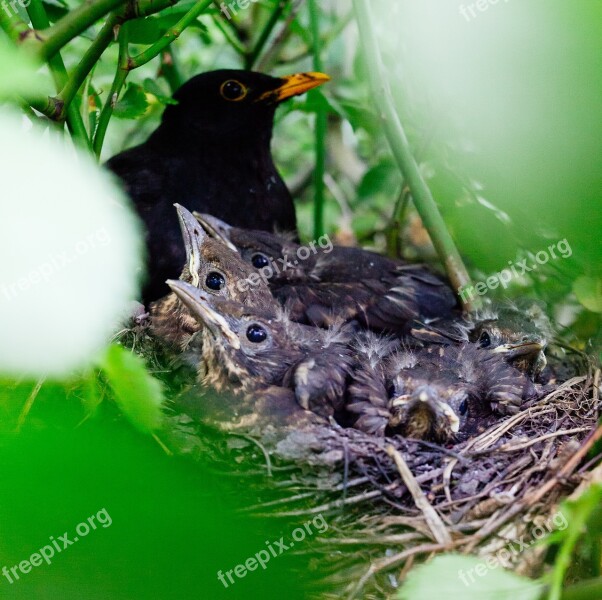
point(137, 393)
point(92, 395)
point(133, 103)
point(382, 178)
point(589, 292)
point(466, 577)
point(18, 73)
point(152, 87)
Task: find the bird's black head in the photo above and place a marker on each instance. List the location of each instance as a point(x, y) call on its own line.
point(232, 104)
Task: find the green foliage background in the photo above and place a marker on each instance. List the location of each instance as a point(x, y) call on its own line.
point(503, 116)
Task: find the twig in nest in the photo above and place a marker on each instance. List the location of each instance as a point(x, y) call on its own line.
point(268, 462)
point(431, 516)
point(368, 495)
point(521, 446)
point(537, 494)
point(392, 561)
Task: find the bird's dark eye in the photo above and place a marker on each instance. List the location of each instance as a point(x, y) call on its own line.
point(259, 260)
point(463, 407)
point(215, 281)
point(233, 90)
point(484, 340)
point(256, 334)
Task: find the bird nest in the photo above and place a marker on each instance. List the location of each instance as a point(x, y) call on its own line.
point(392, 501)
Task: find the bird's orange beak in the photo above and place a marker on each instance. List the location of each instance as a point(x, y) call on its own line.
point(293, 85)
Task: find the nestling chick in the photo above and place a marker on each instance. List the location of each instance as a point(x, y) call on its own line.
point(245, 349)
point(438, 392)
point(321, 284)
point(212, 267)
point(518, 332)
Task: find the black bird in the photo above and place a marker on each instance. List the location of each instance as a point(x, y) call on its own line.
point(321, 283)
point(437, 393)
point(214, 268)
point(212, 154)
point(245, 350)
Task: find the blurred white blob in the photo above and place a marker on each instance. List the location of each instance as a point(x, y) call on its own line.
point(70, 253)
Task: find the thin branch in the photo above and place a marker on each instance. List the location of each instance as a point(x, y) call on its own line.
point(121, 74)
point(75, 123)
point(105, 36)
point(170, 35)
point(265, 34)
point(73, 24)
point(400, 146)
point(280, 38)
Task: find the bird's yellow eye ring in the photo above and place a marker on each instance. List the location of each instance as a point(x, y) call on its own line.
point(233, 90)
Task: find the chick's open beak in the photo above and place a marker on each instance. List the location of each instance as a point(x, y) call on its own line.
point(293, 85)
point(193, 236)
point(199, 304)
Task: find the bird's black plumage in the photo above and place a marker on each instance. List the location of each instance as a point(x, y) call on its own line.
point(210, 153)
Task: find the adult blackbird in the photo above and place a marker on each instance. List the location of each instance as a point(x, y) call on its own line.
point(321, 283)
point(210, 153)
point(437, 393)
point(247, 349)
point(212, 267)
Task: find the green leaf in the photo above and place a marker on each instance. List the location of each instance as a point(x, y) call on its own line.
point(137, 393)
point(132, 104)
point(152, 87)
point(18, 73)
point(466, 577)
point(92, 394)
point(589, 292)
point(382, 178)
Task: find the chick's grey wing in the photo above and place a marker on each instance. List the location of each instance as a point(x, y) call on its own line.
point(320, 380)
point(368, 400)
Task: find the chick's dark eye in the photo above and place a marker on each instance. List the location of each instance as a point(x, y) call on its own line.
point(259, 260)
point(256, 334)
point(215, 281)
point(233, 90)
point(484, 340)
point(463, 407)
